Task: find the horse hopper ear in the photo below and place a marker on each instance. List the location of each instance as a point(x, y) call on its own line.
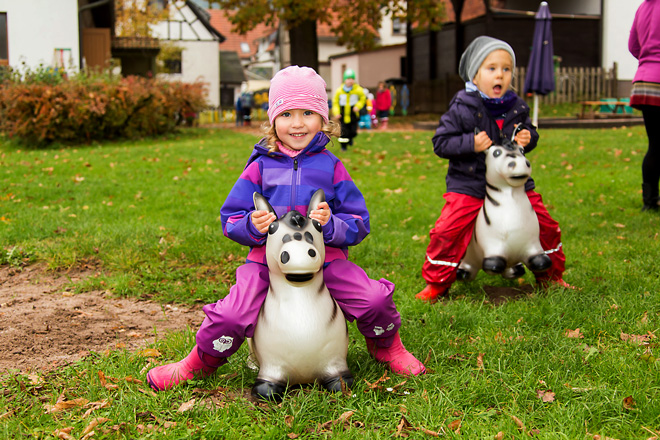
point(261, 203)
point(317, 197)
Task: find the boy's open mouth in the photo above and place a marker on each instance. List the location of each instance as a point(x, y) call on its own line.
point(497, 89)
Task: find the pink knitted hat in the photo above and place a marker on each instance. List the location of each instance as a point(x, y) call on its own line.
point(297, 88)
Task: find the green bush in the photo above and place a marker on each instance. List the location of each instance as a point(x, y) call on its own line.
point(95, 107)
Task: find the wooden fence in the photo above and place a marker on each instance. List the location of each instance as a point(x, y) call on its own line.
point(572, 84)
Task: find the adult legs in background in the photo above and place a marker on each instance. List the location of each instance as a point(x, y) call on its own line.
point(651, 162)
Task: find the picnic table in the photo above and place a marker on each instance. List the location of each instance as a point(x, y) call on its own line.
point(607, 108)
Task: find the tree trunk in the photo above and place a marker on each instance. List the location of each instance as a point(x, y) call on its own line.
point(304, 44)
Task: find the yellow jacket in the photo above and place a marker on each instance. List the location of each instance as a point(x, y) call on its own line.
point(347, 100)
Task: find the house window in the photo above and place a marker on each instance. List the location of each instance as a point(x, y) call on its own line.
point(398, 26)
point(4, 52)
point(160, 5)
point(169, 59)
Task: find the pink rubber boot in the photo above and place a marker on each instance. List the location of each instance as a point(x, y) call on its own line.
point(400, 360)
point(167, 376)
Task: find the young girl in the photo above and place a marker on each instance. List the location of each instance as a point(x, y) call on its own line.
point(383, 104)
point(486, 104)
point(287, 167)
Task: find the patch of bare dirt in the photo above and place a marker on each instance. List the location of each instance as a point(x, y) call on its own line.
point(499, 295)
point(44, 326)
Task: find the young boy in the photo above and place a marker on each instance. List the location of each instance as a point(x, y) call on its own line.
point(347, 102)
point(488, 105)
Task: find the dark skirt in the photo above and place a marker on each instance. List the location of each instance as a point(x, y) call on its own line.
point(645, 93)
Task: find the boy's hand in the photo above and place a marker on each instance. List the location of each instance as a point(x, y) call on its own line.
point(481, 142)
point(262, 220)
point(322, 213)
point(523, 137)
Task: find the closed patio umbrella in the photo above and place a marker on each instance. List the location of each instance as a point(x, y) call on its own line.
point(540, 79)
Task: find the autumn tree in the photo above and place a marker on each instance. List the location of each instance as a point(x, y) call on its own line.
point(354, 22)
point(133, 18)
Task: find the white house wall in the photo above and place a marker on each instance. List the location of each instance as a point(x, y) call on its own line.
point(200, 61)
point(36, 28)
point(200, 58)
point(618, 17)
point(387, 37)
point(370, 67)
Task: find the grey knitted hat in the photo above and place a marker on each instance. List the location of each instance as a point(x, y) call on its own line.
point(476, 53)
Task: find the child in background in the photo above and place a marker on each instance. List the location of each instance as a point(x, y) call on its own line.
point(347, 102)
point(287, 167)
point(488, 105)
point(383, 104)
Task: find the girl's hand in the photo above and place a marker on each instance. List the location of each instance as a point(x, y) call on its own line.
point(262, 220)
point(322, 213)
point(481, 142)
point(523, 137)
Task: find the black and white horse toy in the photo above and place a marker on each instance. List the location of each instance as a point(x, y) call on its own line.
point(506, 233)
point(301, 335)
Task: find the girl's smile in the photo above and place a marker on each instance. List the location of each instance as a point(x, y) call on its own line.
point(296, 128)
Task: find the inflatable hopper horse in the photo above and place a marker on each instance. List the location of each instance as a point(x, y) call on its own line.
point(301, 335)
point(506, 233)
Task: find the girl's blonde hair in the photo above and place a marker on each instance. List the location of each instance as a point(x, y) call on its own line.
point(330, 128)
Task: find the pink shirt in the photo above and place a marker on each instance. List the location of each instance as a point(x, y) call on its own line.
point(644, 41)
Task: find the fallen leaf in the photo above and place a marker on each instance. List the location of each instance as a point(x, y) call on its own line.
point(93, 424)
point(629, 403)
point(35, 380)
point(148, 392)
point(574, 333)
point(149, 352)
point(403, 425)
point(377, 385)
point(546, 396)
point(637, 339)
point(519, 423)
point(455, 426)
point(499, 436)
point(64, 433)
point(64, 405)
point(288, 420)
point(94, 406)
point(186, 406)
point(343, 419)
point(133, 380)
point(480, 361)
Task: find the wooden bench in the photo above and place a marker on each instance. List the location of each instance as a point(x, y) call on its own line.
point(589, 108)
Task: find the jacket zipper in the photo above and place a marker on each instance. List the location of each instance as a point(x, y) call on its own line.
point(294, 178)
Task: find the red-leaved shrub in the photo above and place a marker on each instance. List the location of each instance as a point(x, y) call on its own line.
point(82, 110)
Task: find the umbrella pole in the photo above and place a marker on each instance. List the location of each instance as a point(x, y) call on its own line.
point(535, 114)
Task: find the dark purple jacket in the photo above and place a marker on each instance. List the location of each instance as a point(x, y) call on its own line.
point(454, 140)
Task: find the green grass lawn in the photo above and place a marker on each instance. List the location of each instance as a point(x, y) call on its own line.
point(146, 216)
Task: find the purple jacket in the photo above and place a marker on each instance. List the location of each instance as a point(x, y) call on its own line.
point(644, 41)
point(454, 140)
point(288, 183)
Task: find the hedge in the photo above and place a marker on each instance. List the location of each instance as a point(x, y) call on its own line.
point(84, 109)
